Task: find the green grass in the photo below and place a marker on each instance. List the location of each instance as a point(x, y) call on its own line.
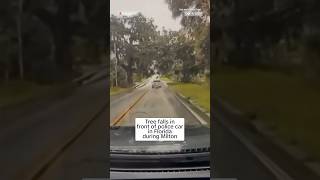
point(16, 92)
point(288, 104)
point(164, 78)
point(117, 90)
point(200, 93)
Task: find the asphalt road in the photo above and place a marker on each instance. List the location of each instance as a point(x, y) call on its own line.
point(27, 145)
point(24, 148)
point(87, 157)
point(232, 159)
point(148, 102)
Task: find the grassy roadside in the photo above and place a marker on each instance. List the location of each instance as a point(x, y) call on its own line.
point(200, 93)
point(117, 90)
point(17, 92)
point(164, 78)
point(288, 104)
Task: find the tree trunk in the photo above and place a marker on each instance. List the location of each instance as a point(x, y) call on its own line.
point(116, 73)
point(129, 72)
point(62, 39)
point(116, 64)
point(19, 30)
point(129, 77)
point(6, 75)
point(129, 69)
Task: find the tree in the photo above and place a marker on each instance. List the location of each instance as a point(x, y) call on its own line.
point(185, 52)
point(6, 49)
point(57, 15)
point(192, 21)
point(11, 12)
point(167, 46)
point(44, 32)
point(19, 31)
point(196, 28)
point(131, 38)
point(117, 42)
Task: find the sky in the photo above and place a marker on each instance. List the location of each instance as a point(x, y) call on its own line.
point(157, 9)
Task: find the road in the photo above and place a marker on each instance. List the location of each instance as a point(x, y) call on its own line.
point(148, 102)
point(25, 148)
point(27, 145)
point(232, 159)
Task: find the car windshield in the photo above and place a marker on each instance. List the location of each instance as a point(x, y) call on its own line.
point(159, 75)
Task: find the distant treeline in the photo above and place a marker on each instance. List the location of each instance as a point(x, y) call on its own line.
point(278, 34)
point(46, 40)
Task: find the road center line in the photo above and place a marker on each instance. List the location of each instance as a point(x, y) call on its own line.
point(120, 117)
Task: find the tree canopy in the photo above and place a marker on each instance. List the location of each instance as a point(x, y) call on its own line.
point(50, 32)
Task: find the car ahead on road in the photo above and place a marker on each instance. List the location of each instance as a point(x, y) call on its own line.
point(156, 83)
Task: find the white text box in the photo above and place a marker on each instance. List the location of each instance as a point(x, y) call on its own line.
point(159, 129)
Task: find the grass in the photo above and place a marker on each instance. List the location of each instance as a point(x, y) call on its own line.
point(288, 104)
point(200, 93)
point(16, 92)
point(164, 78)
point(117, 90)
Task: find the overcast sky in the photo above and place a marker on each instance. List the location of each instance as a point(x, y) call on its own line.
point(157, 9)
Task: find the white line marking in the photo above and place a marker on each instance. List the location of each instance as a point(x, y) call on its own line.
point(267, 162)
point(202, 121)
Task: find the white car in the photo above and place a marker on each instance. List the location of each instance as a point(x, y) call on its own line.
point(156, 83)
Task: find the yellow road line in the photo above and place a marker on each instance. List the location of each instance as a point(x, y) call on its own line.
point(116, 120)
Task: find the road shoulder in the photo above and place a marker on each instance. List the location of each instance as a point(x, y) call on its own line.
point(234, 119)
